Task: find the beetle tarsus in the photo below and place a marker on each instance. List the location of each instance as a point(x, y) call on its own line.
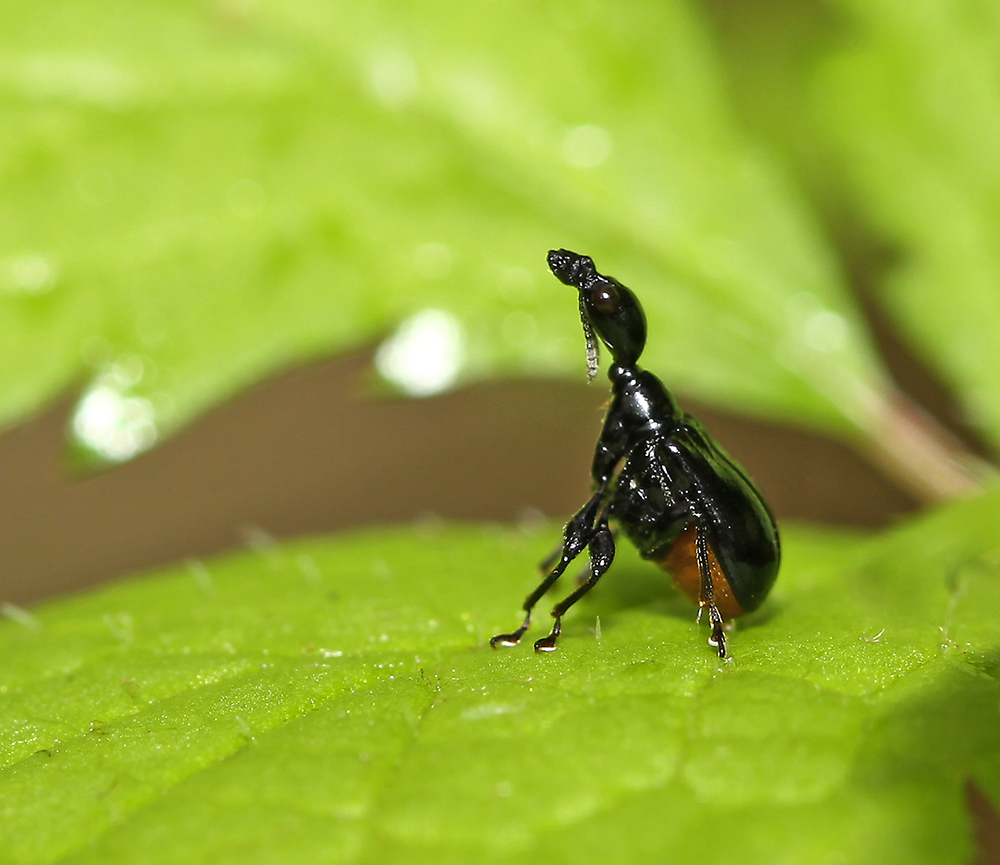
point(548, 643)
point(718, 638)
point(507, 640)
point(513, 638)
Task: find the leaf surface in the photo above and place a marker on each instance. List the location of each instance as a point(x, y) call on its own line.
point(336, 700)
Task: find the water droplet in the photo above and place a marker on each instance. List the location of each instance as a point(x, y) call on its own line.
point(110, 421)
point(28, 273)
point(393, 77)
point(826, 331)
point(432, 260)
point(47, 76)
point(587, 146)
point(425, 355)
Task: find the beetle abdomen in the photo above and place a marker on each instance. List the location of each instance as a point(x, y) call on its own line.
point(681, 561)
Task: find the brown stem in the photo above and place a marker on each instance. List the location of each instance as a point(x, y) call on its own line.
point(915, 450)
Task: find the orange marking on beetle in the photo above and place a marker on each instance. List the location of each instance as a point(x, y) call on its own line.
point(681, 562)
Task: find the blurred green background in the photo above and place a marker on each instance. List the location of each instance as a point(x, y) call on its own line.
point(197, 195)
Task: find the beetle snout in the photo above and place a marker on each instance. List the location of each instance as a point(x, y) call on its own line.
point(571, 268)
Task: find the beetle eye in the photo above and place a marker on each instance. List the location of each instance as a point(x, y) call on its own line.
point(605, 299)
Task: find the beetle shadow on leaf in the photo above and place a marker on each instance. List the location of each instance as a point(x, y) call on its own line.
point(640, 586)
point(634, 586)
point(771, 609)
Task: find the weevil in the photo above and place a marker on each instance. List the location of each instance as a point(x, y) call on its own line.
point(660, 477)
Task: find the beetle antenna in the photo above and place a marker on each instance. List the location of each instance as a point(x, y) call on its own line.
point(593, 346)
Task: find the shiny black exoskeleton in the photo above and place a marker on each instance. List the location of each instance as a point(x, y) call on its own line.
point(678, 496)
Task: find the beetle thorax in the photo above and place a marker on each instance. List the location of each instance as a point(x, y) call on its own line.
point(641, 400)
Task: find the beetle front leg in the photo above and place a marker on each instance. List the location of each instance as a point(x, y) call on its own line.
point(576, 536)
point(706, 599)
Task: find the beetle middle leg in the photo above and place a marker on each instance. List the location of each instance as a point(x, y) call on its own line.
point(602, 554)
point(579, 532)
point(546, 564)
point(585, 573)
point(706, 598)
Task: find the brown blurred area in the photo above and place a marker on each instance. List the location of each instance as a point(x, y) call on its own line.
point(313, 451)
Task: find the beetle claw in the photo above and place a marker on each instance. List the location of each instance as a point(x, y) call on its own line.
point(507, 639)
point(546, 644)
point(718, 638)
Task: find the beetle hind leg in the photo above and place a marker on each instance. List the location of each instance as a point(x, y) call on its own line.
point(718, 639)
point(706, 596)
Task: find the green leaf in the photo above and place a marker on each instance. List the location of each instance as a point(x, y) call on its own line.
point(909, 108)
point(195, 194)
point(337, 701)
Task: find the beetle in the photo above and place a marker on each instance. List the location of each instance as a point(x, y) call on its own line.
point(680, 498)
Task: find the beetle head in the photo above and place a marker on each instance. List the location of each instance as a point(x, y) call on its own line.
point(607, 308)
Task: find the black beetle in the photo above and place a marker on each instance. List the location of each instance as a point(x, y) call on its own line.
point(682, 500)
